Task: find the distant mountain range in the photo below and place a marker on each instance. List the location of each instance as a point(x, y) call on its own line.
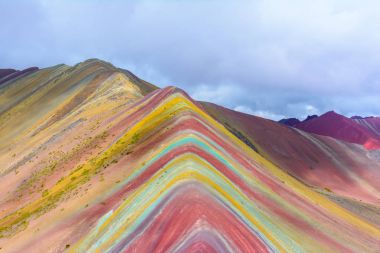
point(95, 159)
point(360, 130)
point(12, 74)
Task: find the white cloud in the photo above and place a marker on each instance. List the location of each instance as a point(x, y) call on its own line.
point(268, 115)
point(221, 94)
point(244, 109)
point(311, 110)
point(267, 55)
point(259, 113)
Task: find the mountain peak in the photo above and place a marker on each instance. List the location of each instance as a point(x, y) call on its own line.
point(289, 121)
point(331, 114)
point(96, 62)
point(310, 117)
point(115, 169)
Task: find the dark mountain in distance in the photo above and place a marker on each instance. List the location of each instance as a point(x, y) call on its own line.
point(5, 72)
point(310, 117)
point(295, 121)
point(12, 74)
point(289, 121)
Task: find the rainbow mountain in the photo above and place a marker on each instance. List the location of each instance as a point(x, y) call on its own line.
point(94, 159)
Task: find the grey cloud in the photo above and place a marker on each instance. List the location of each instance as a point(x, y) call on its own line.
point(269, 57)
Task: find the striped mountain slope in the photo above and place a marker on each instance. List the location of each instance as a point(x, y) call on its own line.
point(346, 173)
point(96, 160)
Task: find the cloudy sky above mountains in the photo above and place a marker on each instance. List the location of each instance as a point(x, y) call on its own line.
point(272, 58)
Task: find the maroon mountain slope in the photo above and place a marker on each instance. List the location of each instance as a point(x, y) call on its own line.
point(338, 167)
point(359, 131)
point(371, 123)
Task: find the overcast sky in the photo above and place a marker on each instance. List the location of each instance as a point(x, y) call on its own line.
point(272, 58)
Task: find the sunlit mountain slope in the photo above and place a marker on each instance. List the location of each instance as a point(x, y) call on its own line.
point(94, 159)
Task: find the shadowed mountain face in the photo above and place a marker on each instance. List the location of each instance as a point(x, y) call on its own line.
point(94, 159)
point(6, 72)
point(290, 121)
point(9, 75)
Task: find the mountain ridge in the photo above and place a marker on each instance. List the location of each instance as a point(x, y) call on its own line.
point(109, 163)
point(359, 130)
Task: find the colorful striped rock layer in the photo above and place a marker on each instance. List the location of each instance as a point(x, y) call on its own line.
point(94, 159)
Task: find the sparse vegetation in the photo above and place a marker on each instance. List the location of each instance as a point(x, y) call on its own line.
point(241, 136)
point(135, 138)
point(45, 193)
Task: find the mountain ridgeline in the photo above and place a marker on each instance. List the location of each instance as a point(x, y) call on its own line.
point(95, 159)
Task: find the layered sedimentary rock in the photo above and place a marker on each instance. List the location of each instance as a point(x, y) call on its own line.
point(95, 159)
point(9, 75)
point(347, 173)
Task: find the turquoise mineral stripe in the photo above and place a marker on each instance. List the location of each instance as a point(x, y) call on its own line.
point(157, 186)
point(198, 139)
point(190, 139)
